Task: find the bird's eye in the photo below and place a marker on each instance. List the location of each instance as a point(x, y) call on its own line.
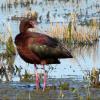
point(31, 23)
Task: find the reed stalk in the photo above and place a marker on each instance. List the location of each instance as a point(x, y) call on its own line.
point(69, 34)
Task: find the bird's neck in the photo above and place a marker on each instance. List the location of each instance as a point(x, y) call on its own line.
point(23, 30)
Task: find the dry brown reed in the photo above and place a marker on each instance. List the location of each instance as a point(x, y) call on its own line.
point(69, 33)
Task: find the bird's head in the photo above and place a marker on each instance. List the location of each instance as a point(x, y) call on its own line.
point(25, 24)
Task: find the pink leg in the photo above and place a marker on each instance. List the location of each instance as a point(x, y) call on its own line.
point(45, 79)
point(37, 77)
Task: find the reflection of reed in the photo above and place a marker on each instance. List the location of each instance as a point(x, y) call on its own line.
point(10, 3)
point(85, 57)
point(86, 50)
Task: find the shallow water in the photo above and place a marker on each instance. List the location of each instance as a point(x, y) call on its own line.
point(86, 57)
point(26, 91)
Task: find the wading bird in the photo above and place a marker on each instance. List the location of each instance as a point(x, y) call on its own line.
point(38, 48)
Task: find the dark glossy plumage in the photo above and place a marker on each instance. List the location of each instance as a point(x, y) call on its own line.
point(38, 48)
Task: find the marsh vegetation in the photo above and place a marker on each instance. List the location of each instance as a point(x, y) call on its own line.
point(75, 23)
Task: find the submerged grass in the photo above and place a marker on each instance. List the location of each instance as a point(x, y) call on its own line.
point(23, 93)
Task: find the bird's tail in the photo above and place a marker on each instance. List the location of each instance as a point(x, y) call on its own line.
point(52, 61)
point(65, 52)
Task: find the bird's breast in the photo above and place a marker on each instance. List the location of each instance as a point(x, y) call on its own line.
point(28, 55)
